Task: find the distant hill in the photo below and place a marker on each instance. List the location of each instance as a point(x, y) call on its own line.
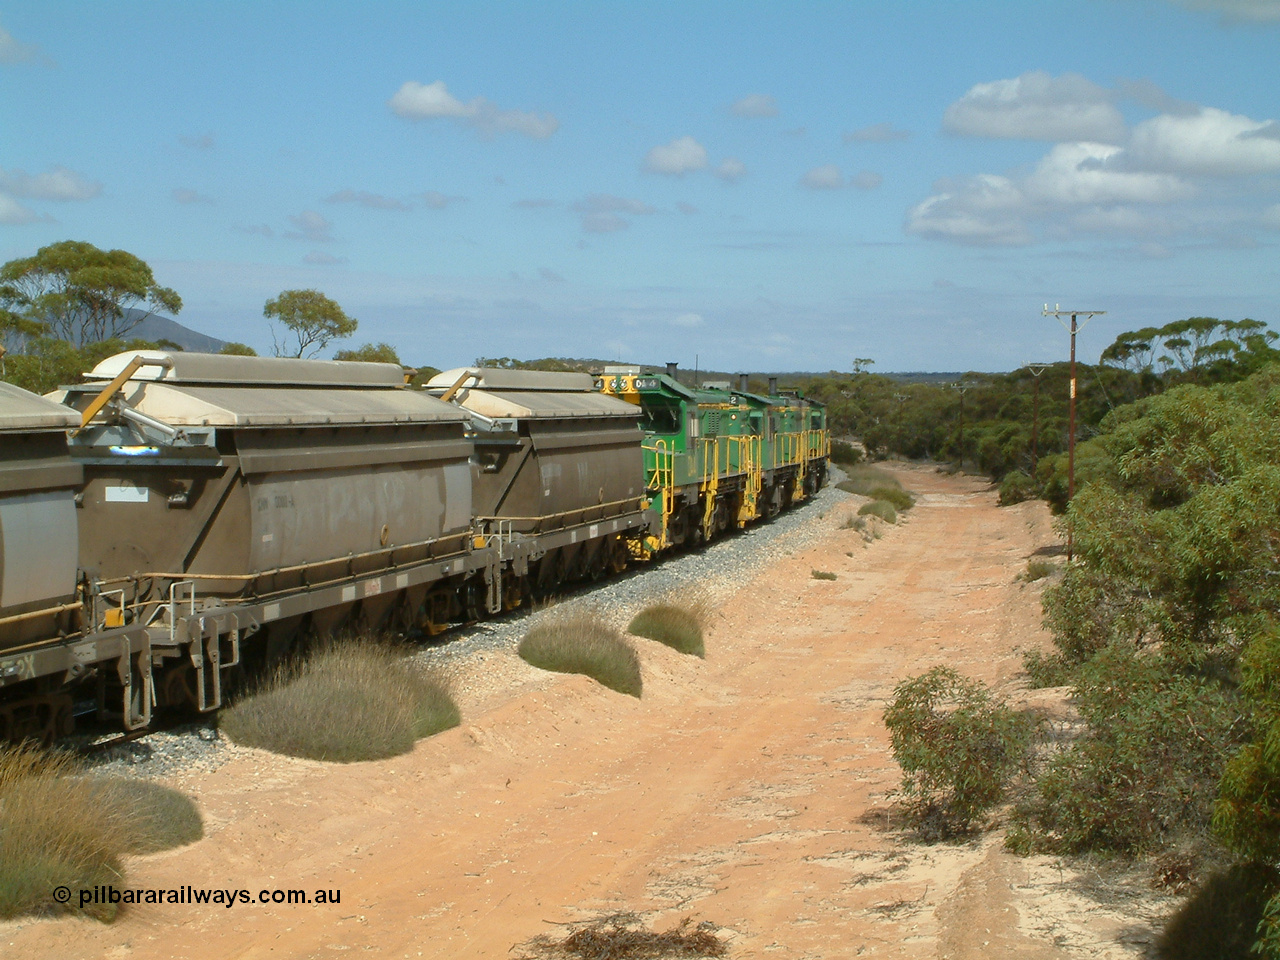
point(156, 327)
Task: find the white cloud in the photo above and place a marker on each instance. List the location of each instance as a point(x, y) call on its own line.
point(1075, 188)
point(730, 170)
point(312, 227)
point(187, 195)
point(58, 183)
point(756, 105)
point(866, 180)
point(877, 133)
point(374, 201)
point(12, 212)
point(677, 158)
point(1257, 11)
point(1106, 184)
point(1036, 106)
point(687, 320)
point(984, 209)
point(1079, 173)
point(13, 53)
point(418, 101)
point(1211, 143)
point(825, 177)
point(1271, 217)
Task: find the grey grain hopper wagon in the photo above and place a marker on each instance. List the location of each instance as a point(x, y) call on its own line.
point(558, 473)
point(226, 495)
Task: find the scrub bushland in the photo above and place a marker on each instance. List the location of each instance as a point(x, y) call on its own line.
point(1166, 626)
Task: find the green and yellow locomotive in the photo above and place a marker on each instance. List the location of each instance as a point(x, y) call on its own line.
point(718, 458)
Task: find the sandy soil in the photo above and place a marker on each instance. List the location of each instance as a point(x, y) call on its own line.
point(752, 790)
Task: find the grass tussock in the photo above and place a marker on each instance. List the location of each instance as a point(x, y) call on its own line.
point(864, 479)
point(623, 936)
point(581, 642)
point(879, 508)
point(679, 624)
point(59, 827)
point(822, 575)
point(347, 701)
point(160, 817)
point(900, 499)
point(1037, 570)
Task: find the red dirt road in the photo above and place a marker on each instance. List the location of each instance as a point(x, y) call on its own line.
point(749, 789)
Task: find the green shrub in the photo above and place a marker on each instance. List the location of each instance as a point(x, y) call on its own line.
point(900, 499)
point(678, 625)
point(348, 701)
point(845, 453)
point(958, 747)
point(881, 509)
point(822, 575)
point(1267, 946)
point(1047, 669)
point(583, 643)
point(1086, 612)
point(1247, 813)
point(1145, 771)
point(1220, 920)
point(1015, 488)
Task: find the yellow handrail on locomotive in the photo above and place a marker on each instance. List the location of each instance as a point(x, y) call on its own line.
point(662, 478)
point(802, 466)
point(750, 453)
point(710, 484)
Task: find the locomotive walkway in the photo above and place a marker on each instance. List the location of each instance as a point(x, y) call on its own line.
point(751, 789)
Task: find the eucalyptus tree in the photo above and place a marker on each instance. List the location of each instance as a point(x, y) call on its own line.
point(77, 293)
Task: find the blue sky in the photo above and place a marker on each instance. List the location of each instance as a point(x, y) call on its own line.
point(780, 186)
